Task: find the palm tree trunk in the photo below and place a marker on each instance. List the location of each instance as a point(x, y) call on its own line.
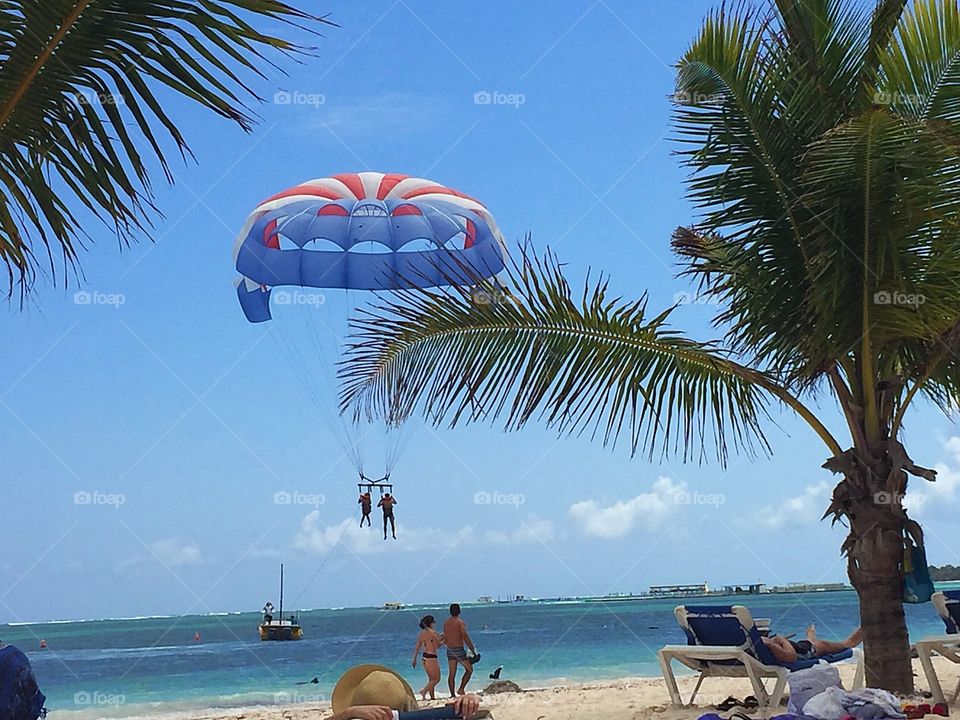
point(874, 565)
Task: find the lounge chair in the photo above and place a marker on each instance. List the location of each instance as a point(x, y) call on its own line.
point(723, 641)
point(947, 605)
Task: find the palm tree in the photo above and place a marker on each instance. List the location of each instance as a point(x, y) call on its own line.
point(80, 107)
point(823, 142)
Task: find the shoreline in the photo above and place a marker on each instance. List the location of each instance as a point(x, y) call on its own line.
point(631, 697)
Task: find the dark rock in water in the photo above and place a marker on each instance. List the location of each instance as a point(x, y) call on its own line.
point(501, 686)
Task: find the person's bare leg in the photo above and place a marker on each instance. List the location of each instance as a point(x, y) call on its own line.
point(467, 673)
point(828, 647)
point(452, 676)
point(434, 675)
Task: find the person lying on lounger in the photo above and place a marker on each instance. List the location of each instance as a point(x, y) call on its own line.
point(789, 651)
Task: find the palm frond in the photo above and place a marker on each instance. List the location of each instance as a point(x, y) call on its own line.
point(886, 195)
point(530, 350)
point(921, 67)
point(80, 102)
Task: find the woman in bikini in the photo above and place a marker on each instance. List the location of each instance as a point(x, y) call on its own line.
point(430, 641)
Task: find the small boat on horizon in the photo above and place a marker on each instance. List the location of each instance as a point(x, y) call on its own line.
point(280, 628)
point(393, 606)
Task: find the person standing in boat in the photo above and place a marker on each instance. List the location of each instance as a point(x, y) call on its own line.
point(430, 641)
point(387, 502)
point(268, 612)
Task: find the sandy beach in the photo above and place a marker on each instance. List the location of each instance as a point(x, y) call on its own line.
point(626, 699)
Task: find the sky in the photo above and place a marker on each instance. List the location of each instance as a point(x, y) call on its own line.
point(159, 455)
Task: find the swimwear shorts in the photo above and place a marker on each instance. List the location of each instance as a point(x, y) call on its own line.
point(804, 649)
point(456, 653)
point(429, 656)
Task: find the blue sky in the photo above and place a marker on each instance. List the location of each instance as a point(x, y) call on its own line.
point(182, 422)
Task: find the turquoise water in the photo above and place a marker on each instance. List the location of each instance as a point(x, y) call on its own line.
point(121, 668)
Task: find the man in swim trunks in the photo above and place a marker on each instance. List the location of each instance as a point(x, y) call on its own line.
point(387, 502)
point(365, 504)
point(789, 651)
point(455, 636)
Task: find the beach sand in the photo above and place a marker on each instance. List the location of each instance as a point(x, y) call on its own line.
point(628, 699)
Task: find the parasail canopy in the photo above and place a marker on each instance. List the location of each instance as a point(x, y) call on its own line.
point(364, 231)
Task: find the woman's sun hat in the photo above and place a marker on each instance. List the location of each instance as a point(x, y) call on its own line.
point(372, 685)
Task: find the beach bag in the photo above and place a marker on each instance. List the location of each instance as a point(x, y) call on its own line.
point(810, 682)
point(917, 585)
point(20, 697)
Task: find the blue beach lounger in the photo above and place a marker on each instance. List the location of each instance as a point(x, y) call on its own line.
point(723, 641)
point(947, 605)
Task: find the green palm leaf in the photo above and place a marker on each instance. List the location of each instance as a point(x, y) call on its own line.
point(533, 351)
point(82, 88)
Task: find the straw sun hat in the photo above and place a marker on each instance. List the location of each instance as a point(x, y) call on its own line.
point(372, 685)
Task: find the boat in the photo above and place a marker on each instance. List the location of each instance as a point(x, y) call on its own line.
point(279, 628)
point(392, 606)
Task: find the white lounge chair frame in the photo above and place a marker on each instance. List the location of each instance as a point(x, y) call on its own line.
point(947, 646)
point(748, 666)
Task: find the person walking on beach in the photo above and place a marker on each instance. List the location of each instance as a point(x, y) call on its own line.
point(366, 505)
point(430, 641)
point(387, 502)
point(789, 651)
point(455, 637)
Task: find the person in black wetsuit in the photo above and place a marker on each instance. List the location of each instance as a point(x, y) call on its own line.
point(387, 502)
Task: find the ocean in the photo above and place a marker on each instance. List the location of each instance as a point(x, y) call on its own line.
point(132, 667)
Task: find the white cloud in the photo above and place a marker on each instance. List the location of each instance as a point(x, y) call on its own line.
point(646, 510)
point(176, 553)
point(395, 113)
point(319, 539)
point(806, 507)
point(533, 529)
point(920, 492)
